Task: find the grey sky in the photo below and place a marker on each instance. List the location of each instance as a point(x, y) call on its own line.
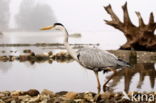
point(88, 15)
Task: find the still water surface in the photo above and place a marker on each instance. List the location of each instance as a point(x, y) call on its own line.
point(67, 76)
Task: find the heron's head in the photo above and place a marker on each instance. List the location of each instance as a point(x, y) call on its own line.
point(56, 26)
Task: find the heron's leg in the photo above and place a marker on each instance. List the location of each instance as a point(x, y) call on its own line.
point(98, 82)
point(104, 86)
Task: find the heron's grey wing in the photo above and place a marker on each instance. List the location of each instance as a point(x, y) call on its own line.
point(96, 58)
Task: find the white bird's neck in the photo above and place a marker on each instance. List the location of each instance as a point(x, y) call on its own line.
point(66, 44)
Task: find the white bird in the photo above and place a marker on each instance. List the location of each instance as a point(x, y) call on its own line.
point(91, 58)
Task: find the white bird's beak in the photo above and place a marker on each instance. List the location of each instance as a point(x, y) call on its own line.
point(47, 28)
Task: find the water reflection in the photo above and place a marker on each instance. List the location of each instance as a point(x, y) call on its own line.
point(5, 66)
point(127, 74)
point(142, 69)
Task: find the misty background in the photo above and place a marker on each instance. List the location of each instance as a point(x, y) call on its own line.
point(30, 16)
point(76, 15)
point(5, 14)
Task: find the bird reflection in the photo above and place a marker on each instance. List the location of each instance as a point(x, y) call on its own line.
point(143, 69)
point(147, 69)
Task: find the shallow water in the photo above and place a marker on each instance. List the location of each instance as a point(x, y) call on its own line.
point(69, 75)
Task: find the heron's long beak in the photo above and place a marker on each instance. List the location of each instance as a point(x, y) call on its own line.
point(47, 28)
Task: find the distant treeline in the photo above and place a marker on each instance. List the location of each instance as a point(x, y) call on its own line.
point(30, 17)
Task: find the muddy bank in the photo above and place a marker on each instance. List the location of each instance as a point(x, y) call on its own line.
point(47, 96)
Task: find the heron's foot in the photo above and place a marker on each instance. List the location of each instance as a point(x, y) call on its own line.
point(105, 88)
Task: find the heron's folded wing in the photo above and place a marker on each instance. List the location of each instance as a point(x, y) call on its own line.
point(96, 58)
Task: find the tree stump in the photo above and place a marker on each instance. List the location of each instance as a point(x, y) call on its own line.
point(138, 37)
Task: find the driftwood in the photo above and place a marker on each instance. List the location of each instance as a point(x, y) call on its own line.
point(138, 37)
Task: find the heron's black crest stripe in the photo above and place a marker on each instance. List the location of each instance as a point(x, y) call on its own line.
point(58, 24)
point(78, 56)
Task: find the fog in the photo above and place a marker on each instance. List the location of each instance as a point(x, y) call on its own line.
point(5, 14)
point(30, 16)
point(76, 15)
point(33, 16)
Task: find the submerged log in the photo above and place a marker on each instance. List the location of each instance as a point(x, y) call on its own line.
point(138, 37)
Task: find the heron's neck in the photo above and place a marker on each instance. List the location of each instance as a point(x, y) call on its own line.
point(69, 49)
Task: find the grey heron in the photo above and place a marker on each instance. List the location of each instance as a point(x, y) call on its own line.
point(91, 58)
